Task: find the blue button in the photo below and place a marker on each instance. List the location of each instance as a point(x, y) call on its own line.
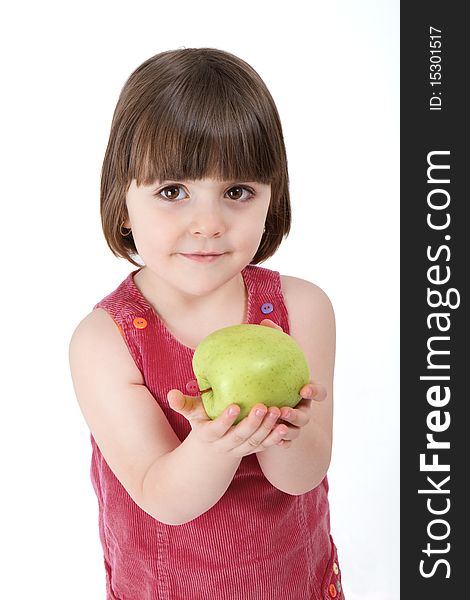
point(267, 308)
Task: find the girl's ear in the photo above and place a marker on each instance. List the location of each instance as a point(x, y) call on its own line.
point(124, 220)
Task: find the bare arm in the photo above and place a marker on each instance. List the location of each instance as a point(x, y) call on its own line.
point(303, 465)
point(172, 481)
point(199, 471)
point(187, 482)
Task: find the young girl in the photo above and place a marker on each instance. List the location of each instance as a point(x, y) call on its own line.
point(195, 185)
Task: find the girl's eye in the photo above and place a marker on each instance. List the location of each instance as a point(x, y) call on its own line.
point(240, 193)
point(171, 192)
point(174, 193)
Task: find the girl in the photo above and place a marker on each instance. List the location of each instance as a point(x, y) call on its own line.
point(195, 185)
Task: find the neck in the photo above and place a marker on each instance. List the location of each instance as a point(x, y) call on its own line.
point(169, 300)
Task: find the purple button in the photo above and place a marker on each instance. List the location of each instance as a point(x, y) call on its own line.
point(192, 387)
point(267, 308)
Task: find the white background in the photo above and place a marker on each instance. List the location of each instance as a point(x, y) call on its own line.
point(332, 68)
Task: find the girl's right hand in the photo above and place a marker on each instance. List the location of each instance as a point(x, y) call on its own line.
point(253, 434)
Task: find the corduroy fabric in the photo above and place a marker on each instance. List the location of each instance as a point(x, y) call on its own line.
point(256, 542)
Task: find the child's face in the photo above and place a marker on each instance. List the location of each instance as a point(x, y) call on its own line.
point(173, 218)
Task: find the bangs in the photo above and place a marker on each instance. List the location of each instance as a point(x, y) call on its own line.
point(191, 114)
point(206, 125)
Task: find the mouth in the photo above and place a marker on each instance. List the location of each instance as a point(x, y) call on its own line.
point(203, 256)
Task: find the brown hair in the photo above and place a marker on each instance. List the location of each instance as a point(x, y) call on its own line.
point(188, 114)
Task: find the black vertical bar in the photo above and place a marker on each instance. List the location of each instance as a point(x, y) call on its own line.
point(435, 259)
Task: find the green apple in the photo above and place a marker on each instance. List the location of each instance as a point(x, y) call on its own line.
point(247, 364)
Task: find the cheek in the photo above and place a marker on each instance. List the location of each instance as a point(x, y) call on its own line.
point(154, 225)
point(259, 213)
point(152, 234)
point(251, 234)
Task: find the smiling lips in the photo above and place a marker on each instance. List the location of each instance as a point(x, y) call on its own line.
point(203, 257)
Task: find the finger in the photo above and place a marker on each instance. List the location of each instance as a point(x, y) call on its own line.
point(244, 430)
point(314, 391)
point(300, 414)
point(297, 416)
point(269, 323)
point(176, 400)
point(319, 392)
point(188, 406)
point(250, 434)
point(281, 435)
point(218, 427)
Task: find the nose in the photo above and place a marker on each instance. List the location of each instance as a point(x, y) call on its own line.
point(208, 222)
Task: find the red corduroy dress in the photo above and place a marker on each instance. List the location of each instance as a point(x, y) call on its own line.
point(256, 542)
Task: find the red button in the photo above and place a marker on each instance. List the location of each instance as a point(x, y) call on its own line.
point(140, 323)
point(332, 590)
point(192, 387)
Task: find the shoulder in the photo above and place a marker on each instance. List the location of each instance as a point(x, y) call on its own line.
point(93, 326)
point(98, 338)
point(312, 325)
point(304, 298)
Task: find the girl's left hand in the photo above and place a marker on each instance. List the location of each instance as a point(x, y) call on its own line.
point(298, 417)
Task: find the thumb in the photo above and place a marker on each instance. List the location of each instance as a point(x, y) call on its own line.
point(270, 323)
point(177, 401)
point(184, 405)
